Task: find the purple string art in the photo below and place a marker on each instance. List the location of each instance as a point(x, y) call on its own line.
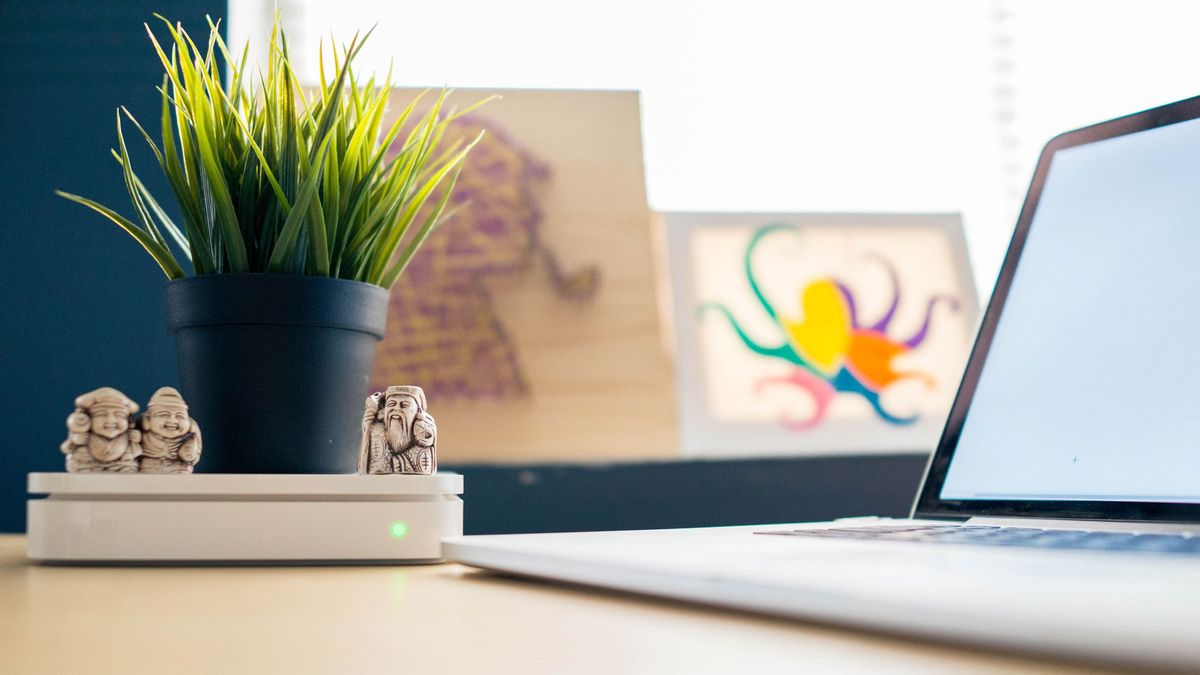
point(444, 332)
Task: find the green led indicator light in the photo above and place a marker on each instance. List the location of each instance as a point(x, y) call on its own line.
point(399, 529)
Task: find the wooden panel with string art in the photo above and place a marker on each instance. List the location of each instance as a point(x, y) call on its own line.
point(530, 317)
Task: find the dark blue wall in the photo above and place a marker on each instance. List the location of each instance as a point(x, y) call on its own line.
point(82, 302)
point(557, 497)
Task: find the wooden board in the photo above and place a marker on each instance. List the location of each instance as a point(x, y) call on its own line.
point(580, 376)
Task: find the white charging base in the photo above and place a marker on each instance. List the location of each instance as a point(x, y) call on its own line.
point(242, 518)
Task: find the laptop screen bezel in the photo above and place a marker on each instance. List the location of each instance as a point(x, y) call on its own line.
point(929, 503)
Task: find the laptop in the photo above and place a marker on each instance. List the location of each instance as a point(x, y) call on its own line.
point(1060, 512)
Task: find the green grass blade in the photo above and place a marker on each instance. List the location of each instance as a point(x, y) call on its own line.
point(154, 208)
point(472, 108)
point(431, 221)
point(134, 197)
point(168, 224)
point(389, 244)
point(284, 247)
point(235, 247)
point(161, 254)
point(264, 164)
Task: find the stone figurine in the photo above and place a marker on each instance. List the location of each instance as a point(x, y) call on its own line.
point(101, 436)
point(399, 435)
point(170, 437)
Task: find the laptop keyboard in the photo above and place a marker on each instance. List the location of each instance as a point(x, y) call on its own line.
point(987, 535)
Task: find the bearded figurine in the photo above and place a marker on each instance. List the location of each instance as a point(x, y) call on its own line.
point(399, 435)
point(100, 435)
point(170, 438)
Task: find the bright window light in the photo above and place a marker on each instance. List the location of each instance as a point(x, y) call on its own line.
point(863, 105)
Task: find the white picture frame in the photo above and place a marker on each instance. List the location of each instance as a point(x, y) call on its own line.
point(735, 402)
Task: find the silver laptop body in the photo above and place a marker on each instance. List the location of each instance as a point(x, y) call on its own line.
point(1060, 512)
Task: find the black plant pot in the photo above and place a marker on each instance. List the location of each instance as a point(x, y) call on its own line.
point(275, 368)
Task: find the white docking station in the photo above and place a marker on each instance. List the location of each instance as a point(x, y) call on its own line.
point(113, 518)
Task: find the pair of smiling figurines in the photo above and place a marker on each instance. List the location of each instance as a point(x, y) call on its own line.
point(104, 436)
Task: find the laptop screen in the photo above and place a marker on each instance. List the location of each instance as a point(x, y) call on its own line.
point(1090, 390)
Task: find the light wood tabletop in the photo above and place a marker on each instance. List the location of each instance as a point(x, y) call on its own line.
point(429, 619)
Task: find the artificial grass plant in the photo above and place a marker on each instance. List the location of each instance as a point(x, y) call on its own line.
point(270, 177)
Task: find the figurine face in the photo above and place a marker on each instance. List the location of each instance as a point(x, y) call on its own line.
point(109, 422)
point(168, 422)
point(399, 412)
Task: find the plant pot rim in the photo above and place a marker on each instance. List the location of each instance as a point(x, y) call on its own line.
point(269, 278)
point(275, 299)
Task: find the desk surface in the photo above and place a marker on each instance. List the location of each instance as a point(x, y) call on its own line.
point(442, 618)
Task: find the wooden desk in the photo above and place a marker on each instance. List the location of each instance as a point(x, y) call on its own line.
point(412, 620)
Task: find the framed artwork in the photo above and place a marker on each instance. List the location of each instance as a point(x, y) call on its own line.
point(817, 333)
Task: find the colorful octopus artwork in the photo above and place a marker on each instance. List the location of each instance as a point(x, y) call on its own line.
point(831, 348)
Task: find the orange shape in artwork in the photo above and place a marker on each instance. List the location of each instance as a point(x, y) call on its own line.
point(870, 357)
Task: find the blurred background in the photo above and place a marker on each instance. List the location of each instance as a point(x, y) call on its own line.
point(864, 105)
point(855, 106)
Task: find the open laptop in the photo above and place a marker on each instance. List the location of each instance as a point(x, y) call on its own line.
point(1060, 512)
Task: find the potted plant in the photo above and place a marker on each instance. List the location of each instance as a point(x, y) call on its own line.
point(299, 210)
